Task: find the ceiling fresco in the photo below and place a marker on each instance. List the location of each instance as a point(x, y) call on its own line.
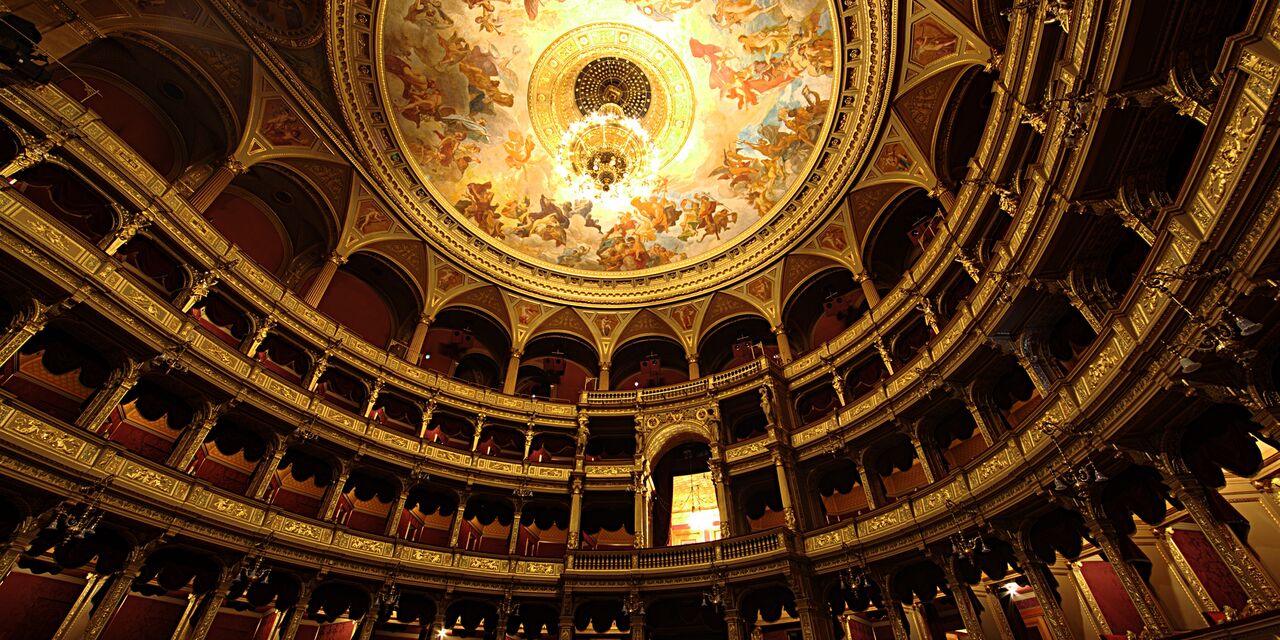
point(728, 98)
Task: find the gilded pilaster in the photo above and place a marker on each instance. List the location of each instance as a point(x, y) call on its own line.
point(1034, 570)
point(1154, 620)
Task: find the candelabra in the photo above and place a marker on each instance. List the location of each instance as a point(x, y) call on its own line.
point(962, 545)
point(1075, 479)
point(78, 524)
point(251, 570)
point(508, 607)
point(715, 596)
point(1220, 335)
point(632, 605)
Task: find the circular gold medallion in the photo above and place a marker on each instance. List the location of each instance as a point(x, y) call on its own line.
point(612, 63)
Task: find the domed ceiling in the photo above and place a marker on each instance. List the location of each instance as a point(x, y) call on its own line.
point(734, 94)
point(571, 146)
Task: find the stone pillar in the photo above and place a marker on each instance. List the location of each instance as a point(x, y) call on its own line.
point(397, 511)
point(1144, 600)
point(916, 620)
point(789, 514)
point(289, 631)
point(1034, 365)
point(212, 602)
point(514, 538)
point(784, 344)
point(215, 184)
point(870, 485)
point(1034, 571)
point(315, 293)
point(998, 615)
point(575, 512)
point(868, 288)
point(456, 528)
point(414, 353)
point(115, 595)
point(1236, 555)
point(184, 453)
point(640, 516)
point(602, 382)
point(334, 491)
point(184, 623)
point(733, 621)
point(694, 373)
point(965, 600)
point(73, 625)
point(109, 396)
point(513, 372)
point(931, 467)
point(261, 480)
point(722, 499)
point(25, 326)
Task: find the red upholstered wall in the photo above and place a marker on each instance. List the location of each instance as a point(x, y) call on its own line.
point(135, 122)
point(1111, 597)
point(859, 630)
point(358, 306)
point(336, 631)
point(264, 627)
point(1209, 568)
point(33, 606)
point(142, 618)
point(231, 626)
point(245, 224)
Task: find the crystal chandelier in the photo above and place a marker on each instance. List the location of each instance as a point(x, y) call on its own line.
point(607, 156)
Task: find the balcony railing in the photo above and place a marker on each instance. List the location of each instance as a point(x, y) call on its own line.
point(691, 555)
point(690, 389)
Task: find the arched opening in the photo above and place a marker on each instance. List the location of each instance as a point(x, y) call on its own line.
point(486, 524)
point(55, 373)
point(772, 609)
point(373, 298)
point(229, 455)
point(557, 366)
point(149, 419)
point(275, 218)
point(652, 361)
point(608, 520)
point(682, 617)
point(468, 345)
point(428, 514)
point(893, 245)
point(162, 108)
point(840, 491)
point(957, 437)
point(299, 482)
point(686, 510)
point(899, 469)
point(544, 529)
point(734, 343)
point(366, 500)
point(822, 308)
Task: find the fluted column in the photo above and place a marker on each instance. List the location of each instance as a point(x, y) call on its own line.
point(315, 293)
point(414, 353)
point(784, 344)
point(1034, 571)
point(1144, 600)
point(640, 515)
point(513, 372)
point(602, 381)
point(945, 197)
point(868, 288)
point(109, 396)
point(216, 183)
point(1236, 555)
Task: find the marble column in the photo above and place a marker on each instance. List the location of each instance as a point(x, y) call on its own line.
point(413, 354)
point(575, 512)
point(513, 372)
point(694, 372)
point(868, 288)
point(215, 184)
point(109, 396)
point(784, 344)
point(315, 292)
